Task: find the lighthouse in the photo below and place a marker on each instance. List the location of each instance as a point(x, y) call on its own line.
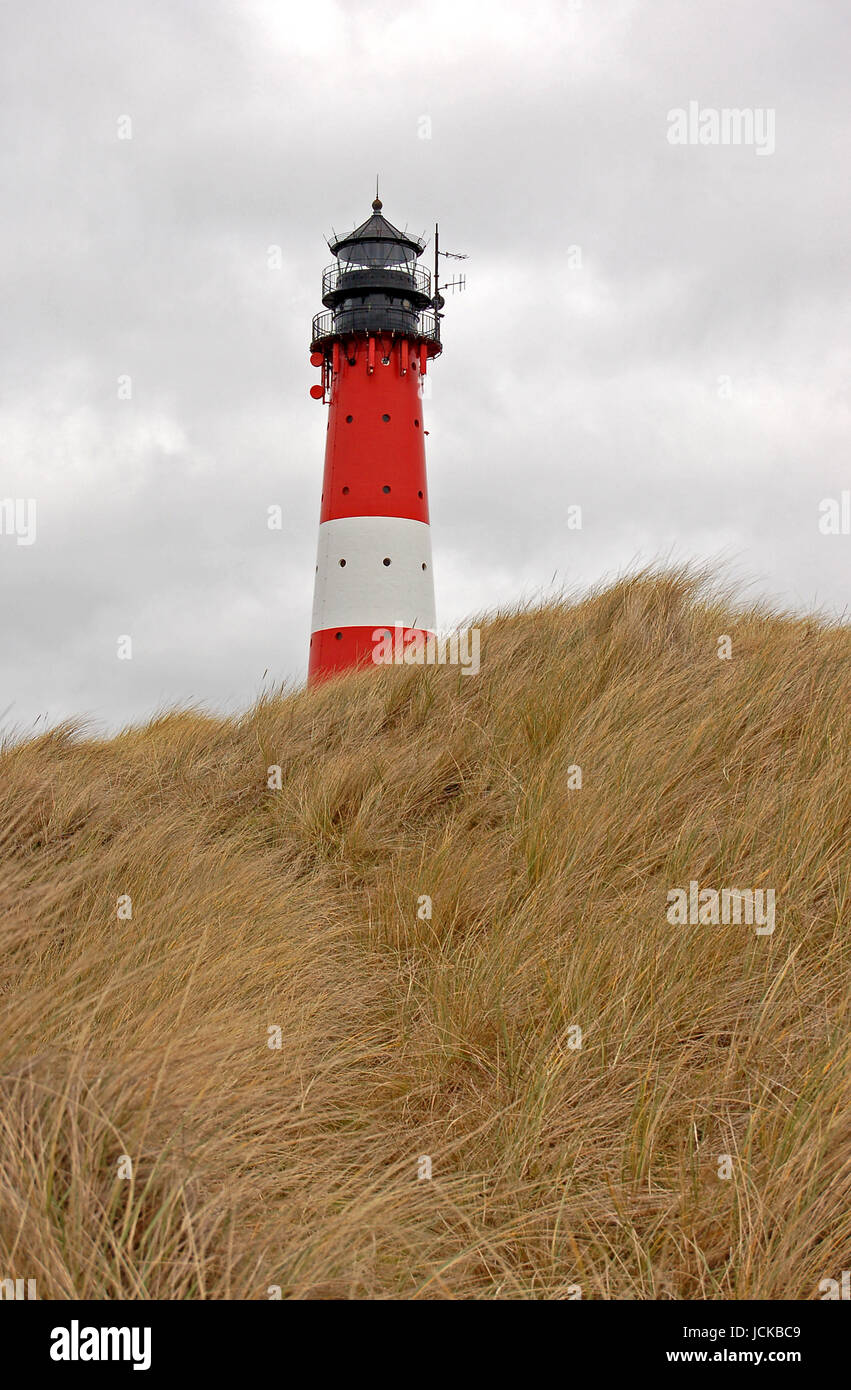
point(380, 328)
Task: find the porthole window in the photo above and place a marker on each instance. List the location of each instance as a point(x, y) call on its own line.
point(385, 418)
point(386, 488)
point(345, 492)
point(386, 561)
point(349, 419)
point(342, 564)
point(425, 566)
point(338, 636)
point(417, 423)
point(419, 494)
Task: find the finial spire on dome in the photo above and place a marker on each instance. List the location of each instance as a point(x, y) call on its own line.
point(377, 203)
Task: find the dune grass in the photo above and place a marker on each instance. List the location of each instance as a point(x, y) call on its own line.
point(557, 1169)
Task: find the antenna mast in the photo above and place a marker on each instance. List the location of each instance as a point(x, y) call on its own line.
point(453, 285)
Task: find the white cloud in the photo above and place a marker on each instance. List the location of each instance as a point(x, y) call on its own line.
point(265, 123)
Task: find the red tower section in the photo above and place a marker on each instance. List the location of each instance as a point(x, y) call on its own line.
point(373, 568)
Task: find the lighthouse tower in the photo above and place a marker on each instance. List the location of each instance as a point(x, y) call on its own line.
point(373, 568)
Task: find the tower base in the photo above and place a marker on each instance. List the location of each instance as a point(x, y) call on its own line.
point(335, 650)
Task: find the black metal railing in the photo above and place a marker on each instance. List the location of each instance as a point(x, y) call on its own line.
point(374, 321)
point(398, 280)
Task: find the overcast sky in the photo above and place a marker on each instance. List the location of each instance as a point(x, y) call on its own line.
point(683, 377)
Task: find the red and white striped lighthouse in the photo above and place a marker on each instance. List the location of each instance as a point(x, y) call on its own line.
point(373, 568)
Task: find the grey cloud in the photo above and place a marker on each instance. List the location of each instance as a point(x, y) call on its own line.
point(264, 124)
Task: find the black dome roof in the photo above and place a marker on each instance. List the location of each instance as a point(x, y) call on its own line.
point(376, 242)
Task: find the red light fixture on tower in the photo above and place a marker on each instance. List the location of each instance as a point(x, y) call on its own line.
point(373, 343)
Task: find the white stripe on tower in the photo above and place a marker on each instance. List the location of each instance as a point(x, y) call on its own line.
point(366, 591)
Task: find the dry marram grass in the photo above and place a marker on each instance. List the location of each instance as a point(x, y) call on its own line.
point(552, 1166)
